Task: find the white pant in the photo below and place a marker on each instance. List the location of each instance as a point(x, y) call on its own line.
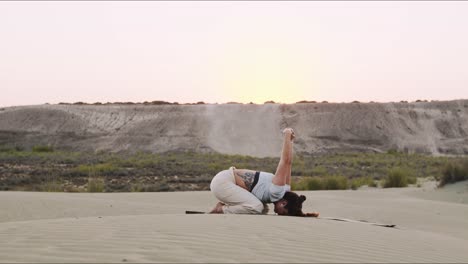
point(237, 200)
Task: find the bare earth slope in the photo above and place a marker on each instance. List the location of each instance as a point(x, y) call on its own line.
point(425, 127)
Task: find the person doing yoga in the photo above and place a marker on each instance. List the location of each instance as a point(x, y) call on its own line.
point(244, 191)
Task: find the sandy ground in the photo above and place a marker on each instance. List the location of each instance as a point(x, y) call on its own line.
point(432, 226)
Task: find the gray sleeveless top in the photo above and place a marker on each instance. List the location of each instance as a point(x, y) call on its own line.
point(265, 190)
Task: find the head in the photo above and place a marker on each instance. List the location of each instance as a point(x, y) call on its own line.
point(290, 204)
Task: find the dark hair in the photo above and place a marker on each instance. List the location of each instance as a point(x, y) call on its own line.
point(294, 205)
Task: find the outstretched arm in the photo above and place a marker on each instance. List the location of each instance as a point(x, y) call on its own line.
point(283, 171)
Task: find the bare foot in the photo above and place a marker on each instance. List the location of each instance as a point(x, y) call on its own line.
point(218, 209)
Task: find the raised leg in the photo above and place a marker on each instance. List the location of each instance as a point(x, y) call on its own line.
point(283, 171)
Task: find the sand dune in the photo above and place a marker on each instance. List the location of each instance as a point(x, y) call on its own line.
point(152, 227)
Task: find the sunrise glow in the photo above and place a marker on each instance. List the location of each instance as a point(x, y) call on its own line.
point(219, 52)
point(267, 67)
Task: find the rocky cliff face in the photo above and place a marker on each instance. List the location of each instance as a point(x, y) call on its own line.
point(439, 127)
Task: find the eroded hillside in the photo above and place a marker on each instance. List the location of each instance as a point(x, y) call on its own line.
point(425, 127)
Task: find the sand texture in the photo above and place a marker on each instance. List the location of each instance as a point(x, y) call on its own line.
point(423, 127)
point(431, 226)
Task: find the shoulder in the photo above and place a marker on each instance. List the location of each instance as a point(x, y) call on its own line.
point(277, 192)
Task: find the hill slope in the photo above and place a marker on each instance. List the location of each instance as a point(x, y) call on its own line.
point(426, 127)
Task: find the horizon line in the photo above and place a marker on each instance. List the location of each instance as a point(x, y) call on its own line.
point(162, 102)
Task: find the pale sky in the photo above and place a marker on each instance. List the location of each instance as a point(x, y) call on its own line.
point(240, 51)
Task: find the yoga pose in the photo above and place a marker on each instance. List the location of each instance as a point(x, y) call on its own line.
point(243, 191)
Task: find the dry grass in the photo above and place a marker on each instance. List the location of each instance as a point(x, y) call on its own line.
point(454, 171)
point(23, 169)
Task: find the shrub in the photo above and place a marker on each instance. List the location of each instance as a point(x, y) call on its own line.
point(335, 183)
point(319, 171)
point(412, 180)
point(355, 183)
point(307, 183)
point(98, 169)
point(160, 103)
point(95, 184)
point(314, 183)
point(5, 149)
point(138, 187)
point(396, 177)
point(454, 172)
point(392, 152)
point(374, 184)
point(19, 148)
point(51, 186)
point(321, 183)
point(306, 102)
point(298, 185)
point(42, 148)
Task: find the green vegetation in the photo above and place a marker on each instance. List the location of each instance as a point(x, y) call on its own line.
point(97, 169)
point(10, 148)
point(42, 148)
point(44, 168)
point(454, 172)
point(398, 177)
point(95, 184)
point(51, 186)
point(309, 183)
point(333, 182)
point(355, 183)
